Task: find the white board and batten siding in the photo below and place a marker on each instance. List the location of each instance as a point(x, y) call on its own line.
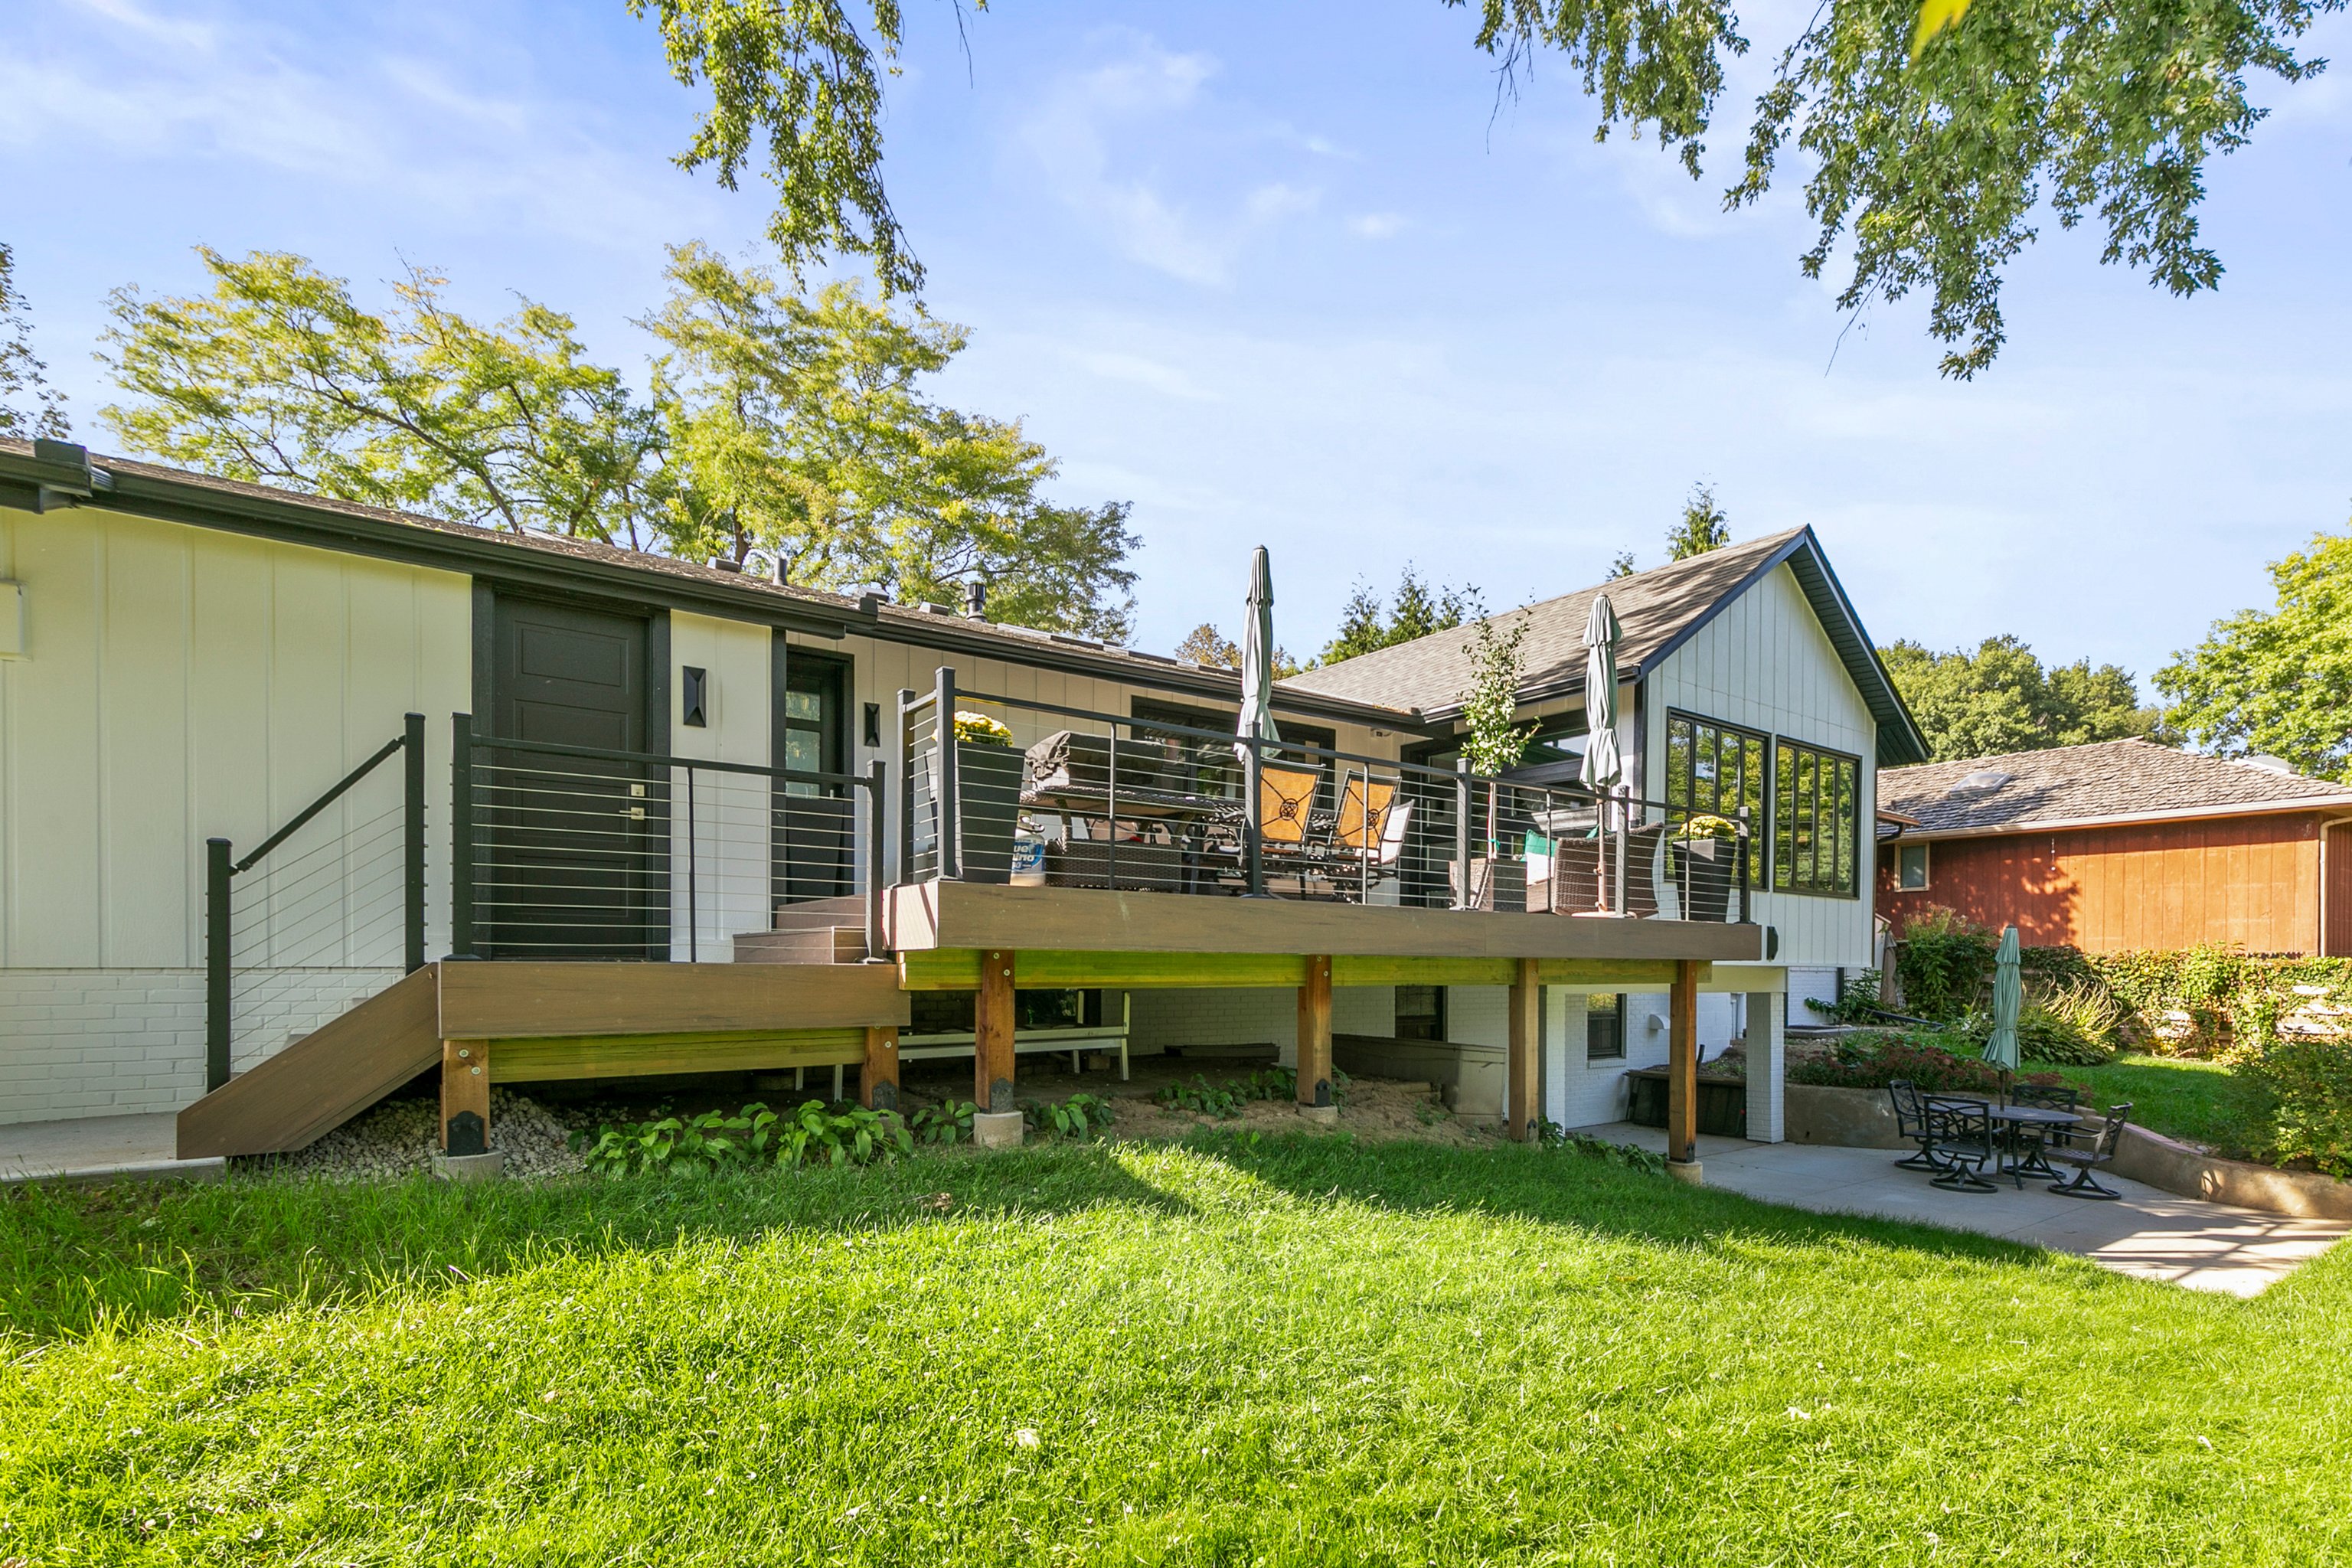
point(177, 684)
point(1764, 664)
point(729, 847)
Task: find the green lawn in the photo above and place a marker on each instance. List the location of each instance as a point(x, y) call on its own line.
point(2202, 1101)
point(1225, 1351)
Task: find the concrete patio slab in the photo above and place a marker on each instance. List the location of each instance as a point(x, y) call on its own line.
point(99, 1149)
point(2147, 1233)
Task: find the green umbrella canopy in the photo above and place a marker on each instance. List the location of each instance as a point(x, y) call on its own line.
point(2008, 995)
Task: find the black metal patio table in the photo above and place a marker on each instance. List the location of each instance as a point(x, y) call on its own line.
point(2025, 1155)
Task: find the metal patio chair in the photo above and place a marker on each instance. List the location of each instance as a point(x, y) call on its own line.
point(1961, 1141)
point(2099, 1150)
point(1911, 1121)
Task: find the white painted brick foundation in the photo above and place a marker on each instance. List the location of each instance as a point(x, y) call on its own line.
point(112, 1042)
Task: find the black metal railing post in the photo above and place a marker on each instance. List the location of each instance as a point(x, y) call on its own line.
point(411, 794)
point(1254, 817)
point(1624, 830)
point(905, 784)
point(878, 789)
point(217, 873)
point(1465, 896)
point(946, 786)
point(1746, 860)
point(461, 835)
point(693, 889)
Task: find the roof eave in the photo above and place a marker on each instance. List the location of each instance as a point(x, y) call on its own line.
point(2335, 804)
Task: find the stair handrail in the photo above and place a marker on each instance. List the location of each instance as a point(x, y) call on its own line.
point(221, 871)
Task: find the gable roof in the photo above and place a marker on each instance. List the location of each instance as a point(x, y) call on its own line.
point(2109, 781)
point(1657, 611)
point(58, 474)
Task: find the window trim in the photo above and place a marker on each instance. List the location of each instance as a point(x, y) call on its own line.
point(1759, 845)
point(1621, 1051)
point(1927, 867)
point(1854, 890)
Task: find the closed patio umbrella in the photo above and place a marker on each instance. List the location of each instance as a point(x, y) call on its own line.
point(1604, 763)
point(2008, 995)
point(1256, 720)
point(1257, 660)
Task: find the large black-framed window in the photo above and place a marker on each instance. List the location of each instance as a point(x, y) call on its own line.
point(1219, 769)
point(1718, 769)
point(1816, 820)
point(1604, 1027)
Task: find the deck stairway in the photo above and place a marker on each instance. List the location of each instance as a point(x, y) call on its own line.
point(820, 930)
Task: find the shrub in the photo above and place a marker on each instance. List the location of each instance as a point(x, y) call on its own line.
point(2048, 1031)
point(2311, 1083)
point(1943, 963)
point(1926, 1058)
point(715, 1141)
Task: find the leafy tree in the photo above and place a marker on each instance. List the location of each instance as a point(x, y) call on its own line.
point(1204, 643)
point(1620, 565)
point(2001, 698)
point(1415, 611)
point(21, 374)
point(1931, 146)
point(797, 424)
point(2277, 681)
point(776, 420)
point(1703, 527)
point(280, 377)
point(1491, 742)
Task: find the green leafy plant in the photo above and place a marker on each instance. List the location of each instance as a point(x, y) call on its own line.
point(1079, 1116)
point(947, 1123)
point(1552, 1136)
point(716, 1140)
point(2310, 1084)
point(1857, 1003)
point(1943, 962)
point(1203, 1098)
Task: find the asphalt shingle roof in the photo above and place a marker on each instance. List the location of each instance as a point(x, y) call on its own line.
point(2110, 779)
point(1652, 608)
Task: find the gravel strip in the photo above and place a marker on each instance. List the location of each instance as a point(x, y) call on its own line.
point(398, 1139)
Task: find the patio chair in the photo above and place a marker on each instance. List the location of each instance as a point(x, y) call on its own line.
point(1911, 1121)
point(2046, 1095)
point(1286, 804)
point(2100, 1150)
point(1961, 1141)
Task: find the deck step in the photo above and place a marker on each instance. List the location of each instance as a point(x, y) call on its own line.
point(826, 944)
point(819, 915)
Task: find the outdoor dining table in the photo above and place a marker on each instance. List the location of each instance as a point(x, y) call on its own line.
point(2015, 1120)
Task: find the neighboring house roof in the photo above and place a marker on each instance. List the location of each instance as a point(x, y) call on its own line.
point(1657, 611)
point(2108, 781)
point(67, 476)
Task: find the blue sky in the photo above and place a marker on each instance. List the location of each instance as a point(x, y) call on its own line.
point(1282, 275)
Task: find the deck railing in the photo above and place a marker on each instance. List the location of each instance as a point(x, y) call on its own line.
point(1082, 798)
point(294, 922)
point(582, 852)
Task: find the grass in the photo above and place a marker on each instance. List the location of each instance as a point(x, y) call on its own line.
point(2204, 1102)
point(1231, 1351)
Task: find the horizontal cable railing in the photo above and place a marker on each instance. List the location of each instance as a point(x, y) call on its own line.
point(582, 852)
point(1041, 792)
point(327, 903)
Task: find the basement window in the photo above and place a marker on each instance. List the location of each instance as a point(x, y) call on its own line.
point(1604, 1028)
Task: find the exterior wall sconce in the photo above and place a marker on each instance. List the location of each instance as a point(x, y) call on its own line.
point(873, 723)
point(694, 693)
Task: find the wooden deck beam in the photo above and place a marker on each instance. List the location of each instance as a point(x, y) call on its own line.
point(877, 1074)
point(1682, 1067)
point(1521, 1062)
point(465, 1097)
point(555, 1058)
point(958, 969)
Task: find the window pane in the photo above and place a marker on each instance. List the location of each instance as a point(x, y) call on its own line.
point(805, 705)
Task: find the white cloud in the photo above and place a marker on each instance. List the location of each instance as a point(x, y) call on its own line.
point(1376, 225)
point(1103, 138)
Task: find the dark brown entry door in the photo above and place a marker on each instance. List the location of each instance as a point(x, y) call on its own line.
point(572, 859)
point(814, 822)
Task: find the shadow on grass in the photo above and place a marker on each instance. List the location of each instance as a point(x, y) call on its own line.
point(75, 1261)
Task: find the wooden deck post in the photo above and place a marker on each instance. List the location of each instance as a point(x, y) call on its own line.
point(1682, 1073)
point(998, 1119)
point(1525, 1039)
point(1315, 1043)
point(878, 1079)
point(465, 1097)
